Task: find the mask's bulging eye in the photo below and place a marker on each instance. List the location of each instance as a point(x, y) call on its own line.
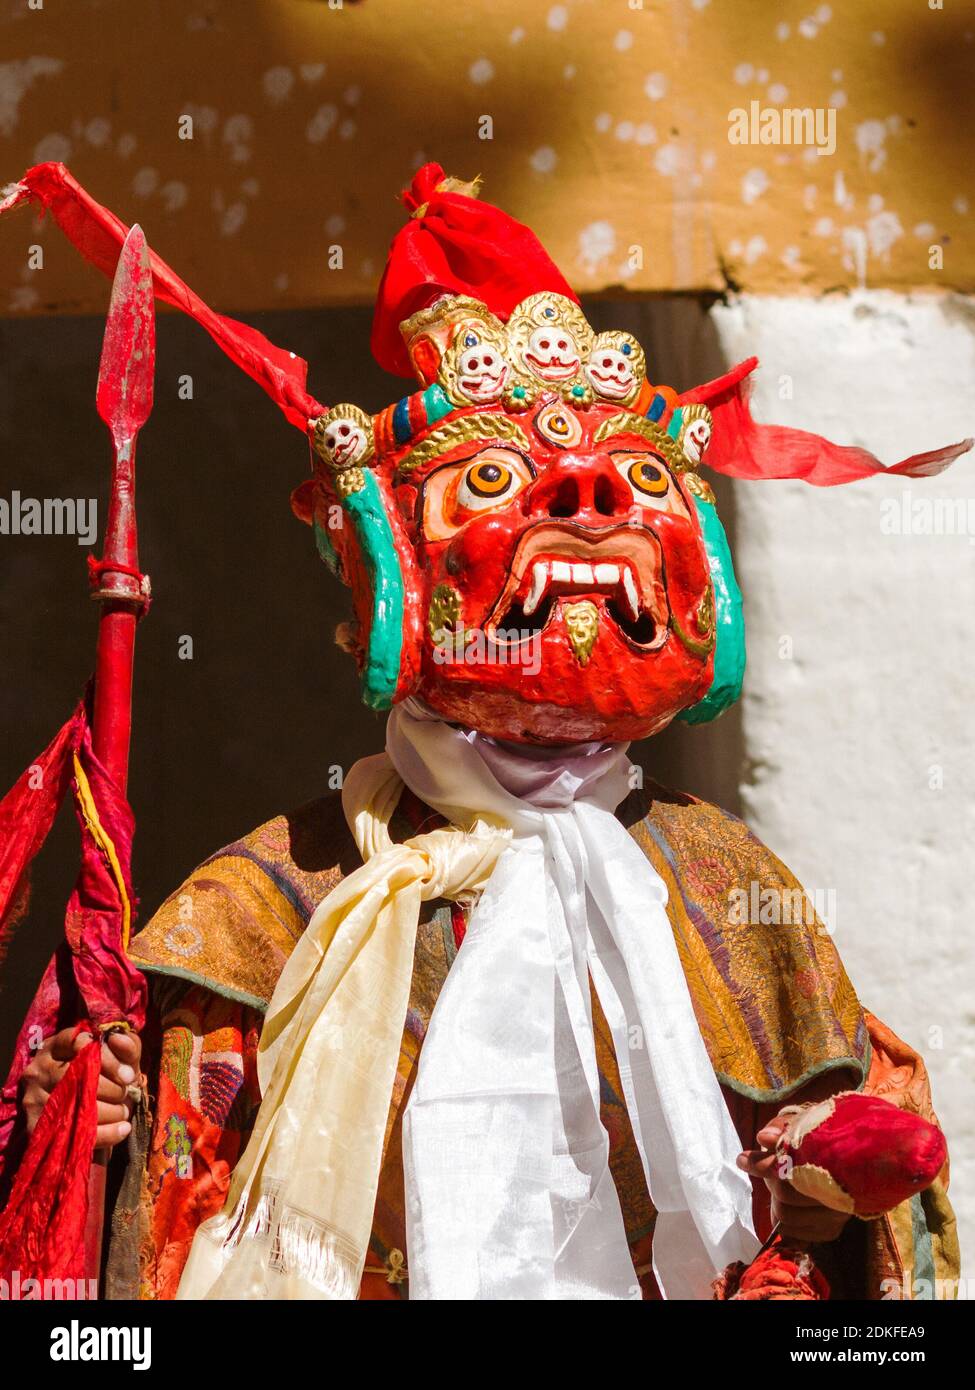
point(647, 478)
point(459, 492)
point(484, 484)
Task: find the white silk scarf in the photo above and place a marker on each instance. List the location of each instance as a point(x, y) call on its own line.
point(506, 1161)
point(508, 1187)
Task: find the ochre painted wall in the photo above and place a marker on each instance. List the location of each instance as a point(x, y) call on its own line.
point(610, 131)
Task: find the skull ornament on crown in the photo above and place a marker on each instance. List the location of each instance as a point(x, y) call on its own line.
point(528, 547)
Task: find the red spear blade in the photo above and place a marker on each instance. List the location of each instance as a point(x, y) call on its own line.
point(124, 401)
point(128, 362)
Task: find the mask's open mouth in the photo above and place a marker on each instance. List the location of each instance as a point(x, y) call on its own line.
point(515, 624)
point(620, 570)
point(643, 630)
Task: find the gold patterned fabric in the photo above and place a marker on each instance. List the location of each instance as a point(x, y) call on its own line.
point(773, 1002)
point(234, 922)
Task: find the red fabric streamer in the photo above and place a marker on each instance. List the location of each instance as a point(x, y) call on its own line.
point(742, 448)
point(455, 244)
point(26, 815)
point(111, 987)
point(42, 1227)
point(90, 975)
point(98, 234)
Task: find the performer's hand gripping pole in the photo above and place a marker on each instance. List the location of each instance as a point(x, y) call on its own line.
point(124, 399)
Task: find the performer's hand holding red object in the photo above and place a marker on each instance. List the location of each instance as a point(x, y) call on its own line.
point(121, 1055)
point(799, 1217)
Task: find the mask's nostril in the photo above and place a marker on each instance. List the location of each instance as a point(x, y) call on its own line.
point(565, 500)
point(604, 497)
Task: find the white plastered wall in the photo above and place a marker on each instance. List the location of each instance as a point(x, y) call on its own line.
point(858, 704)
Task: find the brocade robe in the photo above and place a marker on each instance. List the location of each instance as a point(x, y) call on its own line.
point(775, 1007)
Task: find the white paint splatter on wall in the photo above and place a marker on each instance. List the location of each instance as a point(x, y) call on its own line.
point(145, 182)
point(16, 80)
point(277, 83)
point(870, 139)
point(321, 124)
point(597, 242)
point(175, 195)
point(481, 71)
point(544, 160)
point(233, 219)
point(98, 131)
point(54, 146)
point(753, 185)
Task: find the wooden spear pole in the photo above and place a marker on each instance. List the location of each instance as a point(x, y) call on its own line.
point(124, 399)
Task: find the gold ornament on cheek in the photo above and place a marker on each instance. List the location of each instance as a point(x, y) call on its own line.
point(705, 624)
point(582, 625)
point(705, 615)
point(444, 614)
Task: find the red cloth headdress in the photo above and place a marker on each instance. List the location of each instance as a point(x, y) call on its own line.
point(455, 244)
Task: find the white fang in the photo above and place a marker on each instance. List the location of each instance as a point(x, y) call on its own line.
point(539, 585)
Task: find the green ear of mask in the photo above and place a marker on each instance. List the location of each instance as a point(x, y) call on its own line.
point(380, 675)
point(729, 648)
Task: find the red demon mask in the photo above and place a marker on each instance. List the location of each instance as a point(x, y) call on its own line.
point(523, 542)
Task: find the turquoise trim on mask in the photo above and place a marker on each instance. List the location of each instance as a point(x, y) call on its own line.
point(326, 550)
point(375, 537)
point(729, 649)
point(436, 403)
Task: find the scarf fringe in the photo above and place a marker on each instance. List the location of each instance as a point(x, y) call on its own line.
point(303, 1248)
point(299, 1246)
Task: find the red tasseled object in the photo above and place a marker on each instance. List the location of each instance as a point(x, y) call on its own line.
point(876, 1154)
point(42, 1228)
point(780, 1272)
